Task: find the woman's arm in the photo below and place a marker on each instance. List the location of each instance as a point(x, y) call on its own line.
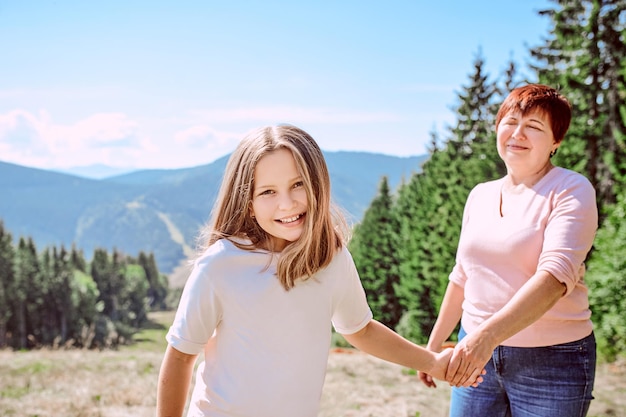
point(531, 302)
point(447, 319)
point(174, 380)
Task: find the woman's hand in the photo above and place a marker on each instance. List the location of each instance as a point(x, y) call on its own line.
point(468, 361)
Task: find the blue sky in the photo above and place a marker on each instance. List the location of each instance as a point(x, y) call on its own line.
point(172, 84)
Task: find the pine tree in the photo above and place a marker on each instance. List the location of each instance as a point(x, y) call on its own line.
point(373, 247)
point(77, 259)
point(158, 283)
point(86, 306)
point(607, 283)
point(44, 313)
point(418, 289)
point(63, 292)
point(134, 300)
point(430, 205)
point(585, 57)
point(7, 281)
point(26, 274)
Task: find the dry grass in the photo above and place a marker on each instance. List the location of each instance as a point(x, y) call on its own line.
point(123, 383)
point(359, 385)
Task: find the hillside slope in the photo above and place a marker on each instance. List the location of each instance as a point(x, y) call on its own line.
point(158, 211)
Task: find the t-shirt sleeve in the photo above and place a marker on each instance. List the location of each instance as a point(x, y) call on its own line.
point(350, 310)
point(199, 310)
point(570, 231)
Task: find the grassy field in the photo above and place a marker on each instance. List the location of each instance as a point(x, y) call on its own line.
point(122, 383)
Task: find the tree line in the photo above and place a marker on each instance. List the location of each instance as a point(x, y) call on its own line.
point(54, 297)
point(405, 245)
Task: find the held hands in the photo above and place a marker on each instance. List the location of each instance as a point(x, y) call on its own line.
point(468, 362)
point(439, 370)
point(457, 367)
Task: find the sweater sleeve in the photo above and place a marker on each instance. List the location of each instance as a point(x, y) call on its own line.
point(457, 275)
point(570, 231)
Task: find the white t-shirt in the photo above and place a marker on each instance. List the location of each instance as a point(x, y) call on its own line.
point(265, 349)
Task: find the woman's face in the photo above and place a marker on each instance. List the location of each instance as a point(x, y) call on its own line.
point(525, 141)
point(279, 199)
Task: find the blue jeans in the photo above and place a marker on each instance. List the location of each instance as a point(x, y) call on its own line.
point(550, 381)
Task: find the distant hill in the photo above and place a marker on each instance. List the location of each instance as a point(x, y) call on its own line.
point(95, 171)
point(158, 211)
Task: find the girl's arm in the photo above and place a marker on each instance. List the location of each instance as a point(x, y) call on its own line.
point(447, 319)
point(378, 340)
point(174, 380)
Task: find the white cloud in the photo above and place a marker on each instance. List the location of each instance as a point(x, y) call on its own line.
point(112, 139)
point(36, 140)
point(203, 143)
point(197, 137)
point(98, 130)
point(20, 135)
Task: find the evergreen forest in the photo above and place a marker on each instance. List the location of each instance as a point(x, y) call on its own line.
point(405, 245)
point(55, 298)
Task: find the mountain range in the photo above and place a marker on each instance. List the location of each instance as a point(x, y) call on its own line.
point(159, 210)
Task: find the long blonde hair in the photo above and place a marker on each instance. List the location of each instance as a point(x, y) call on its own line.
point(325, 229)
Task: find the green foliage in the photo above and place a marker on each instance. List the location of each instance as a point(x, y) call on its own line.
point(49, 299)
point(338, 341)
point(585, 56)
point(405, 245)
point(134, 298)
point(607, 282)
point(410, 325)
point(7, 283)
point(158, 283)
point(429, 207)
point(373, 248)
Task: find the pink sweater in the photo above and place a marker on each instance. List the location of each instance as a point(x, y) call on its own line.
point(549, 227)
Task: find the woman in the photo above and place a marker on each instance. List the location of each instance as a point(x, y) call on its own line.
point(517, 286)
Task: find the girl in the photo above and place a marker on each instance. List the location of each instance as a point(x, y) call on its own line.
point(274, 274)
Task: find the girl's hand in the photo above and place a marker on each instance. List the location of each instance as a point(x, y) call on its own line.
point(427, 380)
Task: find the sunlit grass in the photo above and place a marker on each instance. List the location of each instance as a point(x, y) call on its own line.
point(122, 383)
point(152, 337)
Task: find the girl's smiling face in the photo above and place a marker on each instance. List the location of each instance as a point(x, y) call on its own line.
point(279, 199)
